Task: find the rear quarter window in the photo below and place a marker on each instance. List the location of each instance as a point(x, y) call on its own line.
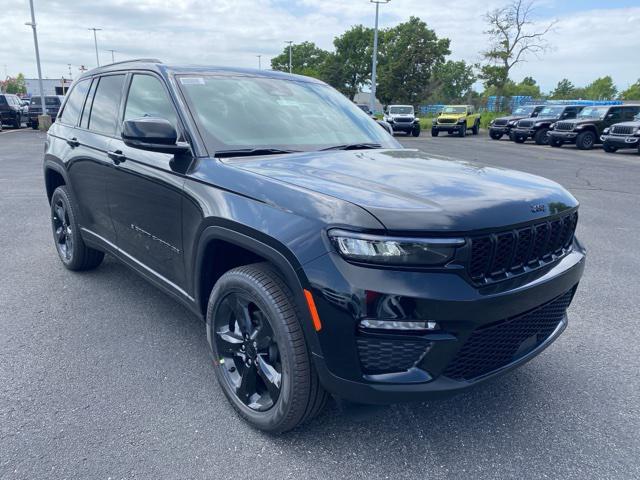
point(73, 107)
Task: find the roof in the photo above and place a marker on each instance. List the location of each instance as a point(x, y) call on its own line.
point(164, 69)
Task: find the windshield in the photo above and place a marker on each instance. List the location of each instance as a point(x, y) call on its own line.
point(244, 112)
point(551, 112)
point(523, 111)
point(400, 110)
point(52, 101)
point(454, 110)
point(593, 112)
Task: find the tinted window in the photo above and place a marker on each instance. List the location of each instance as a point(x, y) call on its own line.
point(84, 123)
point(49, 101)
point(148, 98)
point(104, 111)
point(631, 112)
point(73, 107)
point(2, 100)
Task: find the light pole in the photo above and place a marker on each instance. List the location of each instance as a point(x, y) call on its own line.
point(32, 24)
point(113, 57)
point(290, 42)
point(95, 41)
point(259, 62)
point(372, 100)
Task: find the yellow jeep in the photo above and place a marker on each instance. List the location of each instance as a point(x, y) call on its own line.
point(458, 119)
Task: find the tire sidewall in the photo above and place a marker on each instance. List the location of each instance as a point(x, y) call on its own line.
point(581, 138)
point(276, 415)
point(62, 193)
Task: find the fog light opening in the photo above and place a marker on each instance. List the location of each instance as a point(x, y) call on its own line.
point(399, 325)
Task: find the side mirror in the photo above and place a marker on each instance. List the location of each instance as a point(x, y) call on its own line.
point(153, 134)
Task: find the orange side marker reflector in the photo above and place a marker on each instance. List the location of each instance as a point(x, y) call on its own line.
point(313, 311)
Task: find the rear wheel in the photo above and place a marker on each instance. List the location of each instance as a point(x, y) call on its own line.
point(73, 252)
point(476, 128)
point(609, 148)
point(17, 123)
point(259, 352)
point(495, 135)
point(586, 140)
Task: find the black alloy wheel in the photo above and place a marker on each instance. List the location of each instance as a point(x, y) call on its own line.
point(248, 352)
point(495, 135)
point(17, 123)
point(62, 229)
point(586, 140)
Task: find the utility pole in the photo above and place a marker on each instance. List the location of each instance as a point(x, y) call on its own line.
point(32, 24)
point(95, 41)
point(113, 57)
point(290, 42)
point(259, 62)
point(70, 76)
point(374, 67)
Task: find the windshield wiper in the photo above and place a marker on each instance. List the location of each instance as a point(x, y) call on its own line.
point(248, 152)
point(353, 146)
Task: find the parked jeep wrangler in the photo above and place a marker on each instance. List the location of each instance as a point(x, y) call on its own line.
point(538, 128)
point(586, 129)
point(456, 119)
point(402, 118)
point(622, 135)
point(322, 260)
point(503, 125)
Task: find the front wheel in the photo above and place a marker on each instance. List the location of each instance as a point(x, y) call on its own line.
point(585, 140)
point(519, 138)
point(541, 137)
point(73, 252)
point(495, 135)
point(17, 123)
point(554, 142)
point(463, 131)
point(435, 133)
point(609, 148)
point(416, 131)
point(259, 352)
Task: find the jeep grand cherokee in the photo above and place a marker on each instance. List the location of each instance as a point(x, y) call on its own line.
point(323, 257)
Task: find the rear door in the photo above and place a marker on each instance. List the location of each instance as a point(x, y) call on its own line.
point(145, 194)
point(90, 166)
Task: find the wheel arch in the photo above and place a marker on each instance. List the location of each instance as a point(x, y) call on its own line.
point(221, 248)
point(54, 176)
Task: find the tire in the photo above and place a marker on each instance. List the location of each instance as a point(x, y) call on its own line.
point(554, 142)
point(263, 300)
point(519, 139)
point(435, 133)
point(541, 137)
point(495, 135)
point(476, 128)
point(609, 148)
point(34, 125)
point(73, 252)
point(416, 131)
point(17, 123)
point(586, 140)
point(463, 131)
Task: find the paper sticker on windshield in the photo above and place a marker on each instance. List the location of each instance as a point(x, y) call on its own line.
point(192, 80)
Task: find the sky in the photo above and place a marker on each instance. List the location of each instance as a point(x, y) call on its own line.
point(590, 39)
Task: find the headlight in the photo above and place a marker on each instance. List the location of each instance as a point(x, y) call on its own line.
point(394, 250)
point(539, 124)
point(462, 120)
point(513, 123)
point(638, 131)
point(552, 126)
point(491, 122)
point(606, 131)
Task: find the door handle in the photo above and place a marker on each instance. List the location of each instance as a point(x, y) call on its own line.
point(73, 142)
point(117, 156)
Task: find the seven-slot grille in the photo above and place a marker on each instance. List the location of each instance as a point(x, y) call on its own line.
point(566, 126)
point(500, 122)
point(496, 345)
point(500, 255)
point(622, 130)
point(526, 123)
point(403, 119)
point(447, 120)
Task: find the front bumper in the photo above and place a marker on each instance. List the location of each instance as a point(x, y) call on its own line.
point(621, 141)
point(503, 130)
point(523, 132)
point(565, 137)
point(344, 294)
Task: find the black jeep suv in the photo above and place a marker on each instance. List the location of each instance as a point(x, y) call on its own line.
point(11, 110)
point(538, 128)
point(622, 135)
point(503, 125)
point(588, 126)
point(323, 256)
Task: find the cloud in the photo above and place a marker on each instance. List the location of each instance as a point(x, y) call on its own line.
point(233, 32)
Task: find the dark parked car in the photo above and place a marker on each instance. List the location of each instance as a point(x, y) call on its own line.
point(52, 102)
point(622, 135)
point(588, 126)
point(503, 125)
point(323, 256)
point(538, 128)
point(11, 111)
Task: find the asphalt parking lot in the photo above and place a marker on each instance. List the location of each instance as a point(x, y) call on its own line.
point(103, 376)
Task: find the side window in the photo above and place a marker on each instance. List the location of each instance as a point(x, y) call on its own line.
point(616, 114)
point(104, 111)
point(73, 107)
point(148, 98)
point(86, 111)
point(630, 112)
point(2, 100)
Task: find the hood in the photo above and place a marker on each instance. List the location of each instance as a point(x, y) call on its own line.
point(409, 190)
point(454, 116)
point(583, 121)
point(400, 115)
point(631, 123)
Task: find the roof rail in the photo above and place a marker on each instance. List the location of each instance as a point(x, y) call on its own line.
point(133, 60)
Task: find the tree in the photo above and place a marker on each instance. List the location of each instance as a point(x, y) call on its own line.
point(601, 89)
point(14, 85)
point(409, 54)
point(349, 68)
point(528, 87)
point(513, 38)
point(307, 59)
point(565, 90)
point(452, 81)
point(631, 93)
